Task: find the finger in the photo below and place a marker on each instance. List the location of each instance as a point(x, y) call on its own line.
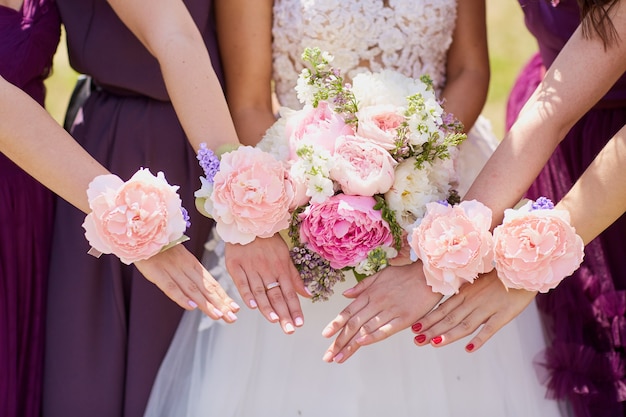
point(455, 325)
point(351, 331)
point(338, 323)
point(445, 311)
point(279, 306)
point(344, 353)
point(380, 333)
point(240, 279)
point(292, 300)
point(259, 292)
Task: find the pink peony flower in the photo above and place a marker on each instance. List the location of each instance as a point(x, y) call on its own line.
point(362, 167)
point(380, 124)
point(536, 249)
point(454, 244)
point(135, 219)
point(252, 195)
point(317, 125)
point(344, 229)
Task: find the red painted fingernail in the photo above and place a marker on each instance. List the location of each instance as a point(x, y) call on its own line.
point(420, 338)
point(417, 327)
point(469, 347)
point(437, 340)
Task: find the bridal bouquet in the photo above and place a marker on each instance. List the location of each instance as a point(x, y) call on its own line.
point(344, 178)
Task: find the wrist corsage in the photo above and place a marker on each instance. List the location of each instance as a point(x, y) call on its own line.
point(533, 249)
point(136, 219)
point(454, 244)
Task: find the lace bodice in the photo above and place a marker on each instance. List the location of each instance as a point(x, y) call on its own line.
point(409, 36)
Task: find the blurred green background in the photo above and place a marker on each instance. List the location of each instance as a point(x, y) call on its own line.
point(510, 46)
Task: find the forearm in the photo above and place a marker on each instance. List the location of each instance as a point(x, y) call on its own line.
point(582, 73)
point(167, 30)
point(244, 30)
point(36, 142)
point(598, 198)
point(467, 69)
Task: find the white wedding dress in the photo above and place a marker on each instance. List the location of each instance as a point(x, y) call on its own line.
point(252, 369)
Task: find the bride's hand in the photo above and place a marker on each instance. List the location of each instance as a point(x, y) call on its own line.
point(266, 278)
point(183, 279)
point(485, 302)
point(384, 304)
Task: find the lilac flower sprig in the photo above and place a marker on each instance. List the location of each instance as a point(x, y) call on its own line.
point(542, 203)
point(329, 85)
point(318, 276)
point(209, 162)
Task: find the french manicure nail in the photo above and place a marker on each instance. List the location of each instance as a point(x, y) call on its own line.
point(420, 338)
point(416, 327)
point(436, 340)
point(289, 328)
point(232, 316)
point(299, 321)
point(273, 316)
point(218, 313)
point(327, 357)
point(192, 304)
point(337, 358)
point(235, 305)
point(252, 304)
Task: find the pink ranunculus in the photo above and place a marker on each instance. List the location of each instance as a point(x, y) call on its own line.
point(535, 250)
point(135, 219)
point(344, 229)
point(454, 244)
point(380, 124)
point(362, 167)
point(315, 125)
point(252, 194)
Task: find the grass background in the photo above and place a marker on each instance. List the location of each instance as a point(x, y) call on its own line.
point(510, 45)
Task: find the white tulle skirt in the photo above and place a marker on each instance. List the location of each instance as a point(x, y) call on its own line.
point(252, 369)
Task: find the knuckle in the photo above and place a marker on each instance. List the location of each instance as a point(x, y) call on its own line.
point(465, 325)
point(449, 318)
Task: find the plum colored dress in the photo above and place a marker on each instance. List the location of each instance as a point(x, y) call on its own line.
point(108, 328)
point(585, 315)
point(28, 40)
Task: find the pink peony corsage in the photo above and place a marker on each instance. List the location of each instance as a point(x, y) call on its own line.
point(454, 244)
point(536, 247)
point(136, 219)
point(248, 192)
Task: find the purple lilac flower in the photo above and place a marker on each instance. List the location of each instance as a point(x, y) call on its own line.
point(186, 216)
point(209, 162)
point(542, 203)
point(318, 276)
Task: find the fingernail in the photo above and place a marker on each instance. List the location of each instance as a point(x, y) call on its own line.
point(218, 312)
point(308, 291)
point(289, 328)
point(327, 331)
point(469, 347)
point(299, 321)
point(235, 305)
point(327, 357)
point(232, 315)
point(273, 316)
point(436, 340)
point(192, 304)
point(337, 358)
point(420, 338)
point(348, 291)
point(417, 327)
point(252, 304)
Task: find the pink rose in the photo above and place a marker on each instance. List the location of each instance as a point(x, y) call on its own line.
point(252, 195)
point(454, 244)
point(135, 219)
point(317, 125)
point(344, 229)
point(362, 167)
point(380, 124)
point(536, 249)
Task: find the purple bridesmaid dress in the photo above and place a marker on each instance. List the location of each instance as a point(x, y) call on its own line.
point(585, 315)
point(28, 41)
point(108, 328)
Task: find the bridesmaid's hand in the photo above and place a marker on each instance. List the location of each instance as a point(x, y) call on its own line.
point(266, 278)
point(182, 278)
point(485, 302)
point(384, 304)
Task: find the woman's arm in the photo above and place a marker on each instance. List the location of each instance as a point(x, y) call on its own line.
point(168, 31)
point(34, 141)
point(467, 70)
point(245, 40)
